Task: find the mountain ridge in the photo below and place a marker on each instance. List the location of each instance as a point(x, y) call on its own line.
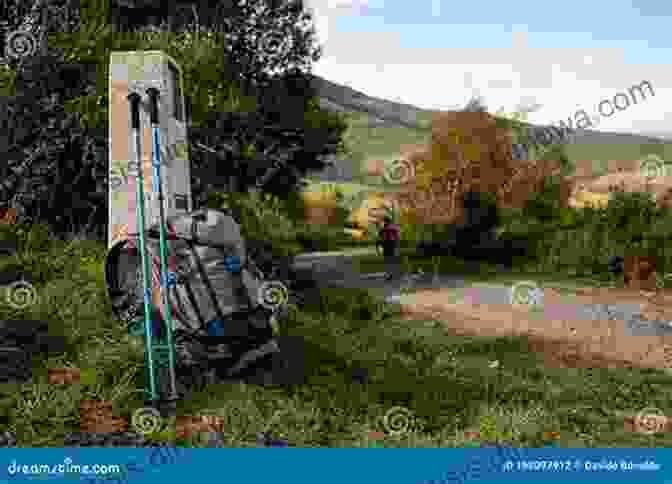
point(372, 116)
point(347, 97)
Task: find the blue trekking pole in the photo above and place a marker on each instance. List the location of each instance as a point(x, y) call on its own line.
point(134, 100)
point(153, 94)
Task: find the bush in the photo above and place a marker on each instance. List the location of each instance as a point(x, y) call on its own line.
point(411, 234)
point(262, 218)
point(582, 240)
point(545, 205)
point(321, 237)
point(294, 206)
point(630, 215)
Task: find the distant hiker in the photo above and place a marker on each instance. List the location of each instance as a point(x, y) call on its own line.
point(389, 239)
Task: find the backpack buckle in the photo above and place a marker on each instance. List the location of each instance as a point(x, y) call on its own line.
point(171, 280)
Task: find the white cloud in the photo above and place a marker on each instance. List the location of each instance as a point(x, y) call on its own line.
point(561, 80)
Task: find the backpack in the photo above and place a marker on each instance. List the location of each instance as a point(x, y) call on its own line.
point(204, 291)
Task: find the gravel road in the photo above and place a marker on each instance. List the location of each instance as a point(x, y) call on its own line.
point(339, 270)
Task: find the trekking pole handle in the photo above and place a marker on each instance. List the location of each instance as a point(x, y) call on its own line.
point(134, 99)
point(153, 94)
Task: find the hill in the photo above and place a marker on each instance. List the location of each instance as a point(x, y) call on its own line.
point(378, 127)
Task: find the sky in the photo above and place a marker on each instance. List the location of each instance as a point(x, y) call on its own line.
point(559, 57)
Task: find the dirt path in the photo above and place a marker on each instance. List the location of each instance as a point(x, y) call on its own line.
point(555, 331)
point(577, 327)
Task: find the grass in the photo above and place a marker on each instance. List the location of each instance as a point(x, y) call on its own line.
point(485, 272)
point(365, 139)
point(448, 384)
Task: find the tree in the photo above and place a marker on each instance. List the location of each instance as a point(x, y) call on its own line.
point(59, 113)
point(269, 48)
point(52, 162)
point(52, 166)
point(469, 151)
point(258, 123)
point(289, 135)
point(476, 105)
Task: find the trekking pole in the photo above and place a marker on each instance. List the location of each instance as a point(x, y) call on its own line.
point(153, 94)
point(134, 99)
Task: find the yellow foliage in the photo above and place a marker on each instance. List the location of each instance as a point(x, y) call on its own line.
point(330, 188)
point(408, 216)
point(363, 215)
point(360, 216)
point(357, 234)
point(448, 153)
point(319, 198)
point(375, 200)
point(584, 198)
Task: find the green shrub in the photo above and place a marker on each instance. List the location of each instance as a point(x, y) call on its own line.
point(265, 217)
point(545, 205)
point(342, 209)
point(411, 234)
point(322, 237)
point(630, 215)
point(581, 240)
point(294, 206)
point(262, 218)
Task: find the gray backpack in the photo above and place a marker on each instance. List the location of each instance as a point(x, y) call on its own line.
point(204, 291)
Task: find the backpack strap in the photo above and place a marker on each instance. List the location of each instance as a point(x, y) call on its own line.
point(194, 305)
point(206, 280)
point(201, 270)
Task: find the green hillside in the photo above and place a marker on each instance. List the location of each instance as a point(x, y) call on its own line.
point(378, 127)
